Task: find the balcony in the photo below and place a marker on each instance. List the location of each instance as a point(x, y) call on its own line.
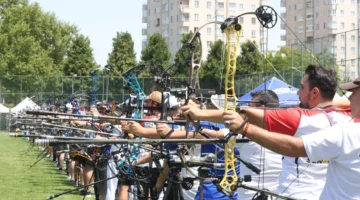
point(282, 3)
point(283, 37)
point(144, 31)
point(144, 7)
point(144, 19)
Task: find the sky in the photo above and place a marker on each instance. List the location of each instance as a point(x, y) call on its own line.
point(100, 20)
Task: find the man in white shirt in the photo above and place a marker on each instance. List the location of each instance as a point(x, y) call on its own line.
point(339, 144)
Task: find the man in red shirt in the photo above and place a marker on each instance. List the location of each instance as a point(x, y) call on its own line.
point(300, 177)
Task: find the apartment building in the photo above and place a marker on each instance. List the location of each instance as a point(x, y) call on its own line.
point(330, 25)
point(172, 18)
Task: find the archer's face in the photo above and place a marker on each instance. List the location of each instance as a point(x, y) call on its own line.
point(304, 93)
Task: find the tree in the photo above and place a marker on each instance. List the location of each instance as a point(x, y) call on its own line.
point(156, 52)
point(215, 64)
point(31, 41)
point(250, 59)
point(183, 56)
point(123, 56)
point(80, 58)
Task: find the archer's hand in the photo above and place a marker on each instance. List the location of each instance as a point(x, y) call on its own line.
point(232, 120)
point(162, 129)
point(191, 111)
point(136, 128)
point(125, 128)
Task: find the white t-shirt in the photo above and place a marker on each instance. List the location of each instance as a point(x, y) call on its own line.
point(267, 161)
point(301, 178)
point(339, 144)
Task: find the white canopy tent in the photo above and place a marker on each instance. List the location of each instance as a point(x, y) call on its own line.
point(26, 104)
point(3, 109)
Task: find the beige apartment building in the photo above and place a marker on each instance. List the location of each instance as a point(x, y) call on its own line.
point(172, 18)
point(330, 25)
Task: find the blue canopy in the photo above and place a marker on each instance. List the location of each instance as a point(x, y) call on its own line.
point(286, 93)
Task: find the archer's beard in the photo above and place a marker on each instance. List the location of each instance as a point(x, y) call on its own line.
point(304, 105)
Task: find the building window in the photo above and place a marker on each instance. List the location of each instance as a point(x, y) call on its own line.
point(353, 26)
point(295, 18)
point(333, 49)
point(300, 18)
point(208, 4)
point(353, 2)
point(232, 6)
point(209, 18)
point(241, 20)
point(342, 61)
point(332, 25)
point(353, 62)
point(253, 7)
point(253, 20)
point(171, 19)
point(317, 26)
point(165, 7)
point(220, 18)
point(309, 16)
point(342, 13)
point(342, 50)
point(220, 5)
point(353, 13)
point(298, 6)
point(352, 75)
point(196, 17)
point(353, 50)
point(342, 25)
point(316, 14)
point(309, 28)
point(218, 31)
point(209, 31)
point(353, 38)
point(300, 29)
point(196, 4)
point(208, 44)
point(333, 12)
point(157, 10)
point(342, 37)
point(309, 4)
point(241, 7)
point(253, 33)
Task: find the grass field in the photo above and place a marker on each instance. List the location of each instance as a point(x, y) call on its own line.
point(19, 182)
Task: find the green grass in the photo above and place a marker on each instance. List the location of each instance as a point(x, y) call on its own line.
point(19, 182)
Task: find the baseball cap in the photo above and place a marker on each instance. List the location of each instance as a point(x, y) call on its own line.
point(155, 96)
point(350, 85)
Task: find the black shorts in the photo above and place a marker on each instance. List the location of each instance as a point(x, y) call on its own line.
point(101, 187)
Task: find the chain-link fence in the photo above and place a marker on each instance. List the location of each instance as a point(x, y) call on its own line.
point(51, 90)
point(340, 51)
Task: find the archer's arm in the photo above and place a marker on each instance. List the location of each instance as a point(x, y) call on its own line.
point(256, 116)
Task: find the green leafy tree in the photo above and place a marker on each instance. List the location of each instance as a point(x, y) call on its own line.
point(183, 56)
point(31, 41)
point(80, 58)
point(123, 56)
point(156, 52)
point(215, 64)
point(250, 59)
